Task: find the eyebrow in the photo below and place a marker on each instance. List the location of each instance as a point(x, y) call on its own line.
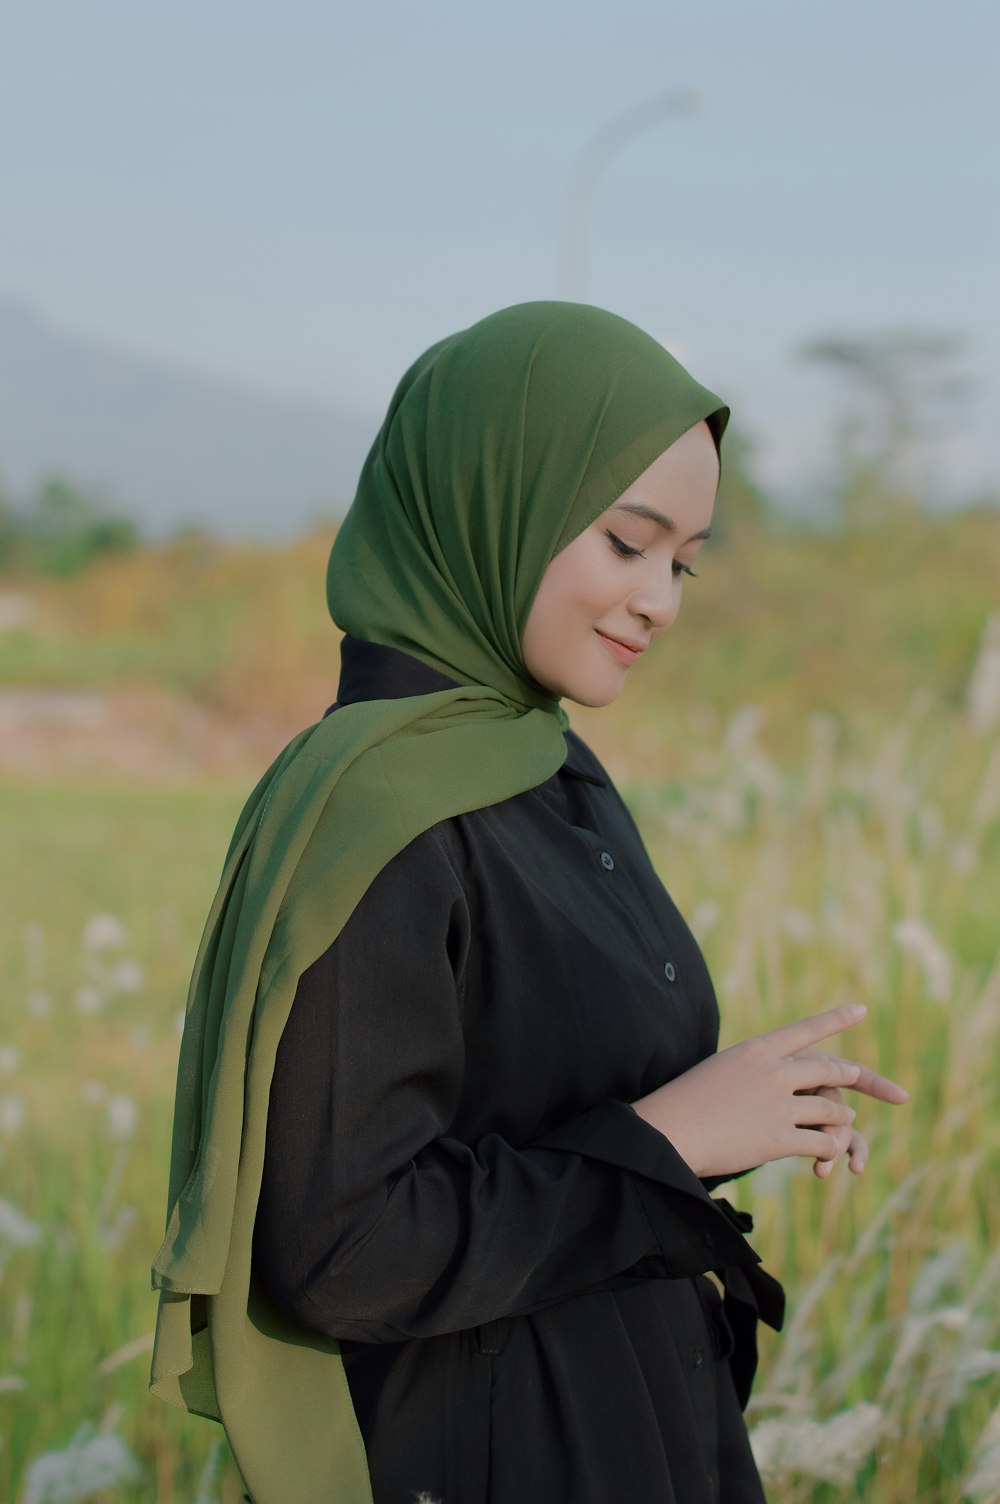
point(640, 509)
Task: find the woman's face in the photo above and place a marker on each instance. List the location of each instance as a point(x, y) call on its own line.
point(621, 578)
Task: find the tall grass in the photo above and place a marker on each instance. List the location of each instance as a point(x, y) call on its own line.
point(827, 840)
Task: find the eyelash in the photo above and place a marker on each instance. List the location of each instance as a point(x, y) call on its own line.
point(625, 552)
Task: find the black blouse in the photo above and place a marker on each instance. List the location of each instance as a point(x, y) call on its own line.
point(457, 1189)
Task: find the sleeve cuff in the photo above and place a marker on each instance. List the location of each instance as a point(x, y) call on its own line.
point(693, 1231)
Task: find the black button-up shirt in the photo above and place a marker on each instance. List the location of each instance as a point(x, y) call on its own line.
point(456, 1187)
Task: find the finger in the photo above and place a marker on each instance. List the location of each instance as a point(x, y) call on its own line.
point(880, 1087)
point(814, 1143)
point(858, 1153)
point(832, 1093)
point(816, 1069)
point(838, 1133)
point(812, 1109)
point(867, 1080)
point(842, 1138)
point(824, 1167)
point(807, 1031)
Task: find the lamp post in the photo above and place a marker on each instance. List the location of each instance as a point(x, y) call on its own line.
point(590, 163)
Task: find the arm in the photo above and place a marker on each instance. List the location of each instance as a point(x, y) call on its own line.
point(374, 1223)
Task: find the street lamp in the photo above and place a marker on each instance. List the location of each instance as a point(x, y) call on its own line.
point(591, 162)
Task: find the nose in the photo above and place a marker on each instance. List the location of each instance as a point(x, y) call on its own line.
point(659, 600)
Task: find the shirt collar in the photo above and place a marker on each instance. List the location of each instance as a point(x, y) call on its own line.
point(373, 671)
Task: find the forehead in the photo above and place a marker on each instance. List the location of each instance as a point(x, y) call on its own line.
point(677, 491)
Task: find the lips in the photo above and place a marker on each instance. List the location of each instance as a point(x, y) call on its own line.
point(625, 652)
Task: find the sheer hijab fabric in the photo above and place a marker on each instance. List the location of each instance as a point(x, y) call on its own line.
point(501, 444)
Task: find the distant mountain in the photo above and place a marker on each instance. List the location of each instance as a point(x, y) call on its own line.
point(166, 446)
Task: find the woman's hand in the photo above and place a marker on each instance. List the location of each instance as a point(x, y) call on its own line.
point(847, 1139)
point(760, 1100)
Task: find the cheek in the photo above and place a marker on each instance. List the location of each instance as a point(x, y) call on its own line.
point(589, 579)
point(580, 586)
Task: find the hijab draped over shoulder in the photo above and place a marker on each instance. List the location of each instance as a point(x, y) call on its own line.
point(501, 444)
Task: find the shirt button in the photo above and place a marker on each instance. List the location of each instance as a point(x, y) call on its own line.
point(697, 1357)
point(668, 970)
point(607, 860)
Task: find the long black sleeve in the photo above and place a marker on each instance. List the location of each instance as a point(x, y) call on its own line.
point(374, 1223)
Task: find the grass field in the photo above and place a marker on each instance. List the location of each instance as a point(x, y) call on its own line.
point(813, 757)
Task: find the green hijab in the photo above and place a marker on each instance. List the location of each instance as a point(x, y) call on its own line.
point(501, 444)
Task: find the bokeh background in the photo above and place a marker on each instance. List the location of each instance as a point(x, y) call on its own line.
point(227, 231)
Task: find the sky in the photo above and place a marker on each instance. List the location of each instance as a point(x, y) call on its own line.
point(304, 197)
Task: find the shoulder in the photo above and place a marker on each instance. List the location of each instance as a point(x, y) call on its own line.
point(421, 880)
point(581, 758)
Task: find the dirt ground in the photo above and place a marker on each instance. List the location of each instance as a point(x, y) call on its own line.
point(144, 736)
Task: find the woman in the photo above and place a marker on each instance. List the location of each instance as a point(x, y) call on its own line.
point(449, 1102)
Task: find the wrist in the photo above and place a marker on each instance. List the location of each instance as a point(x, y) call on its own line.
point(652, 1110)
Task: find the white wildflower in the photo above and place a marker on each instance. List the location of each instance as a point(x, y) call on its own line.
point(10, 1059)
point(112, 1234)
point(932, 827)
point(936, 1274)
point(85, 1467)
point(914, 1332)
point(744, 723)
point(983, 1484)
point(797, 924)
point(123, 1115)
point(768, 1444)
point(830, 1450)
point(913, 936)
point(964, 856)
point(103, 932)
point(704, 916)
point(11, 1116)
point(94, 1093)
point(975, 1365)
point(140, 1037)
point(728, 807)
point(11, 1382)
point(126, 1354)
point(39, 1003)
point(89, 999)
point(127, 976)
point(983, 696)
point(17, 1229)
point(210, 1473)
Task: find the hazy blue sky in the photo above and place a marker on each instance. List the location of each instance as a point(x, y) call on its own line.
point(304, 196)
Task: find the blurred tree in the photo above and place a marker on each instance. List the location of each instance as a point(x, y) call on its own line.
point(897, 379)
point(740, 503)
point(60, 531)
point(12, 541)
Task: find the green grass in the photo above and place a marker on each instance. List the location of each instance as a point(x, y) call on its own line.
point(795, 838)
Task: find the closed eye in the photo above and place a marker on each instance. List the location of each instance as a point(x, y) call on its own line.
point(624, 551)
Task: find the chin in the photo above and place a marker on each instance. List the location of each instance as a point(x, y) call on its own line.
point(592, 694)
